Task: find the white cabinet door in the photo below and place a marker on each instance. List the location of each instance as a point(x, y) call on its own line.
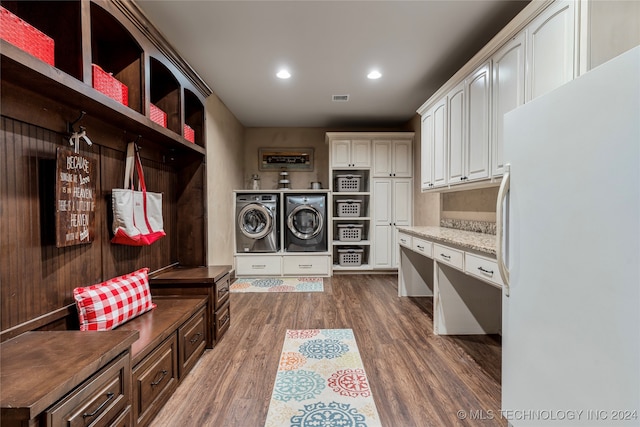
point(402, 160)
point(392, 158)
point(426, 151)
point(392, 206)
point(350, 154)
point(507, 93)
point(551, 48)
point(341, 153)
point(456, 133)
point(440, 143)
point(382, 222)
point(360, 153)
point(476, 144)
point(382, 158)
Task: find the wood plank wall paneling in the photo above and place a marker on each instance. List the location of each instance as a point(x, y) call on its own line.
point(36, 277)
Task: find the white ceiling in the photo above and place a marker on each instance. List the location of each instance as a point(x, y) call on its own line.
point(329, 46)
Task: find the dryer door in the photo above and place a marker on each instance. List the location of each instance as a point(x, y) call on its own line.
point(305, 222)
point(255, 221)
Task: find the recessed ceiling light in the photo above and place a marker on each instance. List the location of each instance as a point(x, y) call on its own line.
point(283, 74)
point(375, 74)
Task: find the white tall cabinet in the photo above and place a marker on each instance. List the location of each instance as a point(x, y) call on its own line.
point(392, 200)
point(384, 196)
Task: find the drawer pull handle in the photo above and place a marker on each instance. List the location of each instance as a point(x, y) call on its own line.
point(110, 396)
point(420, 247)
point(489, 272)
point(222, 292)
point(305, 265)
point(195, 338)
point(258, 265)
point(163, 374)
point(445, 256)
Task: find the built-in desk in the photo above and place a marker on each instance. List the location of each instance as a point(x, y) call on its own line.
point(459, 270)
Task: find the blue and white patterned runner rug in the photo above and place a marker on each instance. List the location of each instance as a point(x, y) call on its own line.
point(321, 382)
point(278, 284)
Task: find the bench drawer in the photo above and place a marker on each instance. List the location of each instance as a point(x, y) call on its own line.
point(422, 247)
point(483, 268)
point(154, 380)
point(192, 341)
point(99, 401)
point(222, 321)
point(221, 291)
point(124, 420)
point(445, 255)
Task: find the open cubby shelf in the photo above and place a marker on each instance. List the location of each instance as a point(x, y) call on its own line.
point(114, 49)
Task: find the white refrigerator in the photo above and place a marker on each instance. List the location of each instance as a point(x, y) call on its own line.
point(569, 221)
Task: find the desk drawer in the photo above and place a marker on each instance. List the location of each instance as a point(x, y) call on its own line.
point(99, 401)
point(483, 268)
point(449, 256)
point(251, 266)
point(405, 240)
point(192, 341)
point(422, 247)
point(154, 379)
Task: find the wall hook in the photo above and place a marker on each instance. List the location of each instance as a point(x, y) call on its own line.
point(70, 125)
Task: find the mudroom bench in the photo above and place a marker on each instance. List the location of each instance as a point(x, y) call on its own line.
point(117, 378)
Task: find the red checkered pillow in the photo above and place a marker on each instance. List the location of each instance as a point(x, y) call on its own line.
point(104, 306)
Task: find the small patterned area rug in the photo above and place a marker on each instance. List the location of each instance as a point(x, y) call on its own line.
point(278, 284)
point(321, 382)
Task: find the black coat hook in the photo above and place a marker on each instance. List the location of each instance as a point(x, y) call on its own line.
point(70, 125)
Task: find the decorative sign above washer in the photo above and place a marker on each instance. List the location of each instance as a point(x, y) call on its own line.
point(290, 158)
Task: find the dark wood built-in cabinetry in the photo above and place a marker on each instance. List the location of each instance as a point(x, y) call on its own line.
point(41, 106)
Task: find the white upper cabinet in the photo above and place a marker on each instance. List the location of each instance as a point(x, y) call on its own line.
point(477, 113)
point(456, 130)
point(392, 158)
point(426, 151)
point(507, 93)
point(440, 143)
point(351, 153)
point(551, 53)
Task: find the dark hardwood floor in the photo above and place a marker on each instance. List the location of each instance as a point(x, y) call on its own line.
point(416, 377)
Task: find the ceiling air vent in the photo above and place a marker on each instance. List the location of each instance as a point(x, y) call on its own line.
point(340, 98)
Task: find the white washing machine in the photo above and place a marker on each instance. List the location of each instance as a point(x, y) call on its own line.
point(257, 227)
point(306, 222)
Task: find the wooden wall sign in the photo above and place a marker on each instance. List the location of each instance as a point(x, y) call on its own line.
point(75, 198)
point(291, 158)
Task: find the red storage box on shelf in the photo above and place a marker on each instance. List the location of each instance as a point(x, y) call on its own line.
point(157, 115)
point(26, 37)
point(109, 85)
point(189, 133)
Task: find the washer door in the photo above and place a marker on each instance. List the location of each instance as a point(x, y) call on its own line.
point(305, 222)
point(255, 221)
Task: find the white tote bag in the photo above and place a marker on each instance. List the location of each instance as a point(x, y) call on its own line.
point(137, 215)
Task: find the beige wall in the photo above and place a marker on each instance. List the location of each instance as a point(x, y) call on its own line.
point(225, 153)
point(256, 138)
point(475, 205)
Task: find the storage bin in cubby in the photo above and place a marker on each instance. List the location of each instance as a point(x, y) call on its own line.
point(348, 183)
point(348, 208)
point(350, 257)
point(109, 85)
point(350, 232)
point(189, 134)
point(26, 37)
point(157, 115)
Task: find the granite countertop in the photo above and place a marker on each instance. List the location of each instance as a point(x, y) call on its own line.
point(481, 242)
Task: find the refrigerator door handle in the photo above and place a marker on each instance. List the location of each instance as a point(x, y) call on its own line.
point(502, 194)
